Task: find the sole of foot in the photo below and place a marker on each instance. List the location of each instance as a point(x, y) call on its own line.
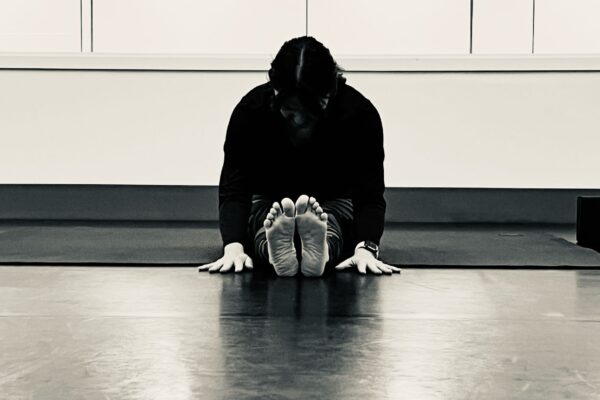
point(311, 223)
point(279, 227)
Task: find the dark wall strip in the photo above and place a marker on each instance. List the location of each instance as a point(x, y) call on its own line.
point(533, 30)
point(92, 25)
point(199, 203)
point(471, 30)
point(306, 18)
point(80, 26)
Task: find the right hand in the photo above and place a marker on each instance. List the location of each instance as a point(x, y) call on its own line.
point(233, 257)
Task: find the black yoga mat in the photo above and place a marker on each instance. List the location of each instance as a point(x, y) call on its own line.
point(164, 243)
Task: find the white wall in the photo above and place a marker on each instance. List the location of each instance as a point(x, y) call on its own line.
point(40, 25)
point(191, 26)
point(116, 127)
point(349, 27)
point(480, 129)
point(167, 128)
point(502, 27)
point(381, 27)
point(511, 130)
point(567, 26)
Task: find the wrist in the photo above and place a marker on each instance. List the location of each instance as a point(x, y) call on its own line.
point(362, 253)
point(368, 246)
point(234, 248)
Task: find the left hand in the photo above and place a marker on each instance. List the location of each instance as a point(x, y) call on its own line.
point(364, 260)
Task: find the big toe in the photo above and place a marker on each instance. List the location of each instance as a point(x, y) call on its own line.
point(288, 207)
point(302, 204)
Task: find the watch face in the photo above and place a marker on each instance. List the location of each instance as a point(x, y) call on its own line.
point(371, 246)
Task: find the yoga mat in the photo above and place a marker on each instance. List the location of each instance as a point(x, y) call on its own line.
point(489, 246)
point(179, 243)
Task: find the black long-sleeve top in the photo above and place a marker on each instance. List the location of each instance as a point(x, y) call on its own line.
point(343, 159)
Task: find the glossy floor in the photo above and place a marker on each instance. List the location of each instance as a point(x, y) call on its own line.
point(171, 333)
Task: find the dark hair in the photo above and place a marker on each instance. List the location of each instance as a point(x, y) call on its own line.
point(305, 67)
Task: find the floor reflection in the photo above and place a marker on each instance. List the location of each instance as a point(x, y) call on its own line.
point(316, 336)
point(264, 295)
point(484, 335)
point(588, 294)
point(156, 333)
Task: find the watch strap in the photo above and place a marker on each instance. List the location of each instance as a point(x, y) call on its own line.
point(370, 246)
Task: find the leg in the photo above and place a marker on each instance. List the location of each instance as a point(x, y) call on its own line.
point(257, 238)
point(271, 230)
point(324, 230)
point(311, 222)
point(340, 234)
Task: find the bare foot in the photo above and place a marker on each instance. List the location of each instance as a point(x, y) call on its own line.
point(279, 227)
point(311, 222)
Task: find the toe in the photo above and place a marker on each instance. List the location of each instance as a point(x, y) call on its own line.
point(277, 208)
point(267, 223)
point(302, 204)
point(324, 217)
point(274, 212)
point(314, 206)
point(311, 201)
point(318, 210)
point(288, 207)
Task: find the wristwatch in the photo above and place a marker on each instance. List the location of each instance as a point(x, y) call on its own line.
point(368, 245)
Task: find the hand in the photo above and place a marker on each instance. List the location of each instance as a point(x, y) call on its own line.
point(364, 260)
point(233, 256)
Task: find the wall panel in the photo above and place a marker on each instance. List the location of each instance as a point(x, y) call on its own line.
point(40, 26)
point(189, 26)
point(502, 26)
point(567, 26)
point(391, 26)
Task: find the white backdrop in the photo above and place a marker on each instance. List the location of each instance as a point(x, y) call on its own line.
point(472, 129)
point(167, 128)
point(349, 27)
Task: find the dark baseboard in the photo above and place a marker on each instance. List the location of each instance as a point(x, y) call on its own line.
point(199, 203)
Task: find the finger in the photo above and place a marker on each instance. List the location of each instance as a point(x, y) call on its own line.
point(239, 264)
point(391, 267)
point(205, 266)
point(361, 266)
point(210, 265)
point(395, 269)
point(345, 264)
point(373, 268)
point(249, 263)
point(226, 267)
point(217, 266)
point(384, 268)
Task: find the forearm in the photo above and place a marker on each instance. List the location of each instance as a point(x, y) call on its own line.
point(233, 248)
point(233, 219)
point(369, 218)
point(369, 186)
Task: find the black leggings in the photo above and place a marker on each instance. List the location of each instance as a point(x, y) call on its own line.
point(339, 230)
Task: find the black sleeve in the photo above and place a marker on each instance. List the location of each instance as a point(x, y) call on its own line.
point(235, 194)
point(369, 186)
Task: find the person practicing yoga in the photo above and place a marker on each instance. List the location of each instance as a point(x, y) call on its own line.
point(301, 188)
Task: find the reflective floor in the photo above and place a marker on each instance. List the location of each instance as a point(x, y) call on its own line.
point(171, 333)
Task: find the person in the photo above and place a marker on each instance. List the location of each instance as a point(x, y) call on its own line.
point(302, 185)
